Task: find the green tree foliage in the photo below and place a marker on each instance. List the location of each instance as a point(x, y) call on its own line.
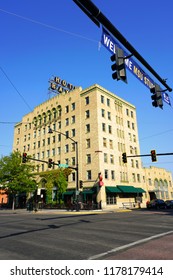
point(16, 177)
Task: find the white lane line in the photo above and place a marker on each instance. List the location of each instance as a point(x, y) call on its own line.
point(130, 245)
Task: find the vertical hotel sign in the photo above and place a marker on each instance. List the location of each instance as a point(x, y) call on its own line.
point(109, 42)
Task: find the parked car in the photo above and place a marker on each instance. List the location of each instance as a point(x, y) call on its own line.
point(156, 204)
point(169, 203)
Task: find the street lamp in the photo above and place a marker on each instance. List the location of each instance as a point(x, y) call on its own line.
point(77, 162)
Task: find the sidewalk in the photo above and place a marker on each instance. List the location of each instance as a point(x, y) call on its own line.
point(61, 211)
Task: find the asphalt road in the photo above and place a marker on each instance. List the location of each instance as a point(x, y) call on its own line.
point(82, 236)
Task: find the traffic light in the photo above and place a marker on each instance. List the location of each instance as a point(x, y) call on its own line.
point(153, 156)
point(24, 157)
point(50, 162)
point(124, 157)
point(81, 184)
point(157, 96)
point(119, 66)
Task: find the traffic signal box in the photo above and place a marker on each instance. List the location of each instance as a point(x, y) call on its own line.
point(24, 157)
point(119, 66)
point(157, 96)
point(81, 184)
point(50, 163)
point(124, 157)
point(153, 156)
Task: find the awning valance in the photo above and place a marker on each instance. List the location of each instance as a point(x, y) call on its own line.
point(113, 190)
point(130, 189)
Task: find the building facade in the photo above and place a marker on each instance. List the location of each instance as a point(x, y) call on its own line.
point(104, 126)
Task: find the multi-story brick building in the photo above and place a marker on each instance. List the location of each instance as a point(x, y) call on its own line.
point(104, 126)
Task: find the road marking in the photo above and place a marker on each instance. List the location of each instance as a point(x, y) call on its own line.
point(130, 245)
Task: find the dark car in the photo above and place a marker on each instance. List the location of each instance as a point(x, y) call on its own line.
point(156, 204)
point(169, 203)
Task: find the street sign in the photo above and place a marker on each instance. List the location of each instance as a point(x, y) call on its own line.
point(63, 165)
point(110, 43)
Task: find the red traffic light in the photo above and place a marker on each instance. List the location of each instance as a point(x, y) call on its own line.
point(24, 157)
point(153, 156)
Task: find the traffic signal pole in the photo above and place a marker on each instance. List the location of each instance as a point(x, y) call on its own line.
point(93, 12)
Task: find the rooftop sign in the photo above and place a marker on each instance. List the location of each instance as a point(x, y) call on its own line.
point(57, 85)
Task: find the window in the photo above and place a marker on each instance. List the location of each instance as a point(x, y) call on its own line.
point(111, 198)
point(66, 109)
point(48, 141)
point(88, 144)
point(72, 147)
point(59, 150)
point(88, 158)
point(73, 162)
point(89, 177)
point(138, 178)
point(48, 153)
point(59, 125)
point(67, 134)
point(112, 174)
point(73, 176)
point(109, 115)
point(102, 99)
point(112, 159)
point(53, 152)
point(105, 157)
point(133, 177)
point(111, 144)
point(73, 106)
point(87, 114)
point(67, 121)
point(87, 100)
point(53, 139)
point(59, 137)
point(128, 124)
point(104, 142)
point(103, 113)
point(108, 102)
point(133, 126)
point(73, 132)
point(87, 128)
point(66, 148)
point(73, 119)
point(110, 129)
point(103, 127)
point(106, 174)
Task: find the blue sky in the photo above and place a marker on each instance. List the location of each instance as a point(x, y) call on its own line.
point(40, 39)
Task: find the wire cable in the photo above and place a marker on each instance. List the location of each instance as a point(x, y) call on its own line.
point(15, 88)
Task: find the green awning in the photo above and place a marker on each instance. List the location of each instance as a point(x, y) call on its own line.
point(130, 189)
point(113, 190)
point(68, 193)
point(140, 190)
point(87, 192)
point(127, 189)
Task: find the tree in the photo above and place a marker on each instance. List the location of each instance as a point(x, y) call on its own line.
point(16, 177)
point(58, 178)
